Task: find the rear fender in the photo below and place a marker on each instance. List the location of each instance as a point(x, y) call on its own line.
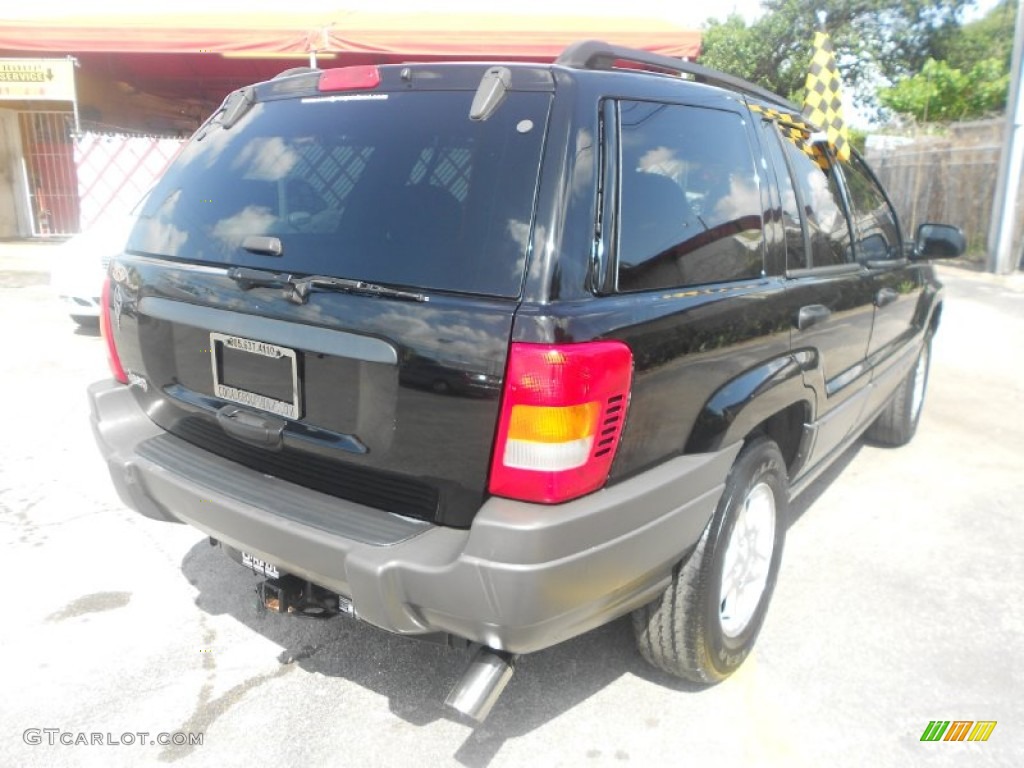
point(748, 400)
point(929, 307)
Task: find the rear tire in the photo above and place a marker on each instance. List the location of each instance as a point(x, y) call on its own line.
point(897, 424)
point(705, 623)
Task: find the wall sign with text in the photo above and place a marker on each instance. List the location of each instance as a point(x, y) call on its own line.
point(37, 79)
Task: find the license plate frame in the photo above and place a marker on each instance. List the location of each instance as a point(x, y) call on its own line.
point(237, 394)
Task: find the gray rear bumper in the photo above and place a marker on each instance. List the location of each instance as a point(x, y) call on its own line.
point(522, 578)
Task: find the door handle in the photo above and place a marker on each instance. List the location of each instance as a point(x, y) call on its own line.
point(251, 427)
point(812, 314)
point(885, 296)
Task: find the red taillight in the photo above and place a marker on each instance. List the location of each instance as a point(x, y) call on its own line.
point(108, 336)
point(562, 412)
point(359, 78)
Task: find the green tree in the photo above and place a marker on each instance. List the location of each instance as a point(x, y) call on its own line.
point(970, 79)
point(942, 93)
point(990, 37)
point(872, 38)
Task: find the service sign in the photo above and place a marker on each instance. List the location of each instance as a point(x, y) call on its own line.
point(37, 80)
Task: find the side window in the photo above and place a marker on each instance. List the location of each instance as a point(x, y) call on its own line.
point(796, 249)
point(819, 198)
point(690, 208)
point(874, 221)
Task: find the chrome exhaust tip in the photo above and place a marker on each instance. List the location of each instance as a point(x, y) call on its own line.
point(482, 683)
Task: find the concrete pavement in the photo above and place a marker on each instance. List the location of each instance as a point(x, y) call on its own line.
point(899, 603)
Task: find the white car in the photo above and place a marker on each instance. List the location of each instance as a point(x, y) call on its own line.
point(81, 264)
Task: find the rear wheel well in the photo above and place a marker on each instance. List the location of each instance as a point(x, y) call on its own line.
point(785, 429)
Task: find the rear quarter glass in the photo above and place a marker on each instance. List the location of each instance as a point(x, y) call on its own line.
point(395, 188)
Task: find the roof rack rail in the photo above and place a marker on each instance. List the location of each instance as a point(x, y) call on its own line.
point(596, 54)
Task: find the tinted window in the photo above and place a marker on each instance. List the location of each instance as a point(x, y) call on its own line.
point(796, 251)
point(689, 199)
point(398, 188)
point(818, 197)
point(878, 234)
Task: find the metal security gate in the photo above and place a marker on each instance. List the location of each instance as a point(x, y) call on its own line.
point(115, 170)
point(49, 152)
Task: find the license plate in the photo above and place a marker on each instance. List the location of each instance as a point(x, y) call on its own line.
point(260, 566)
point(255, 373)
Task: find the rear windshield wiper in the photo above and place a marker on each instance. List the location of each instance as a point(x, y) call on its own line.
point(302, 287)
point(299, 288)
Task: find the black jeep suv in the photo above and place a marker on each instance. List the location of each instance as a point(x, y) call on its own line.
point(504, 352)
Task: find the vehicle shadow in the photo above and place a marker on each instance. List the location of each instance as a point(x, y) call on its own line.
point(415, 676)
point(799, 506)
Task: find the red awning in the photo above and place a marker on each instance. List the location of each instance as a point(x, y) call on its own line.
point(390, 35)
point(163, 73)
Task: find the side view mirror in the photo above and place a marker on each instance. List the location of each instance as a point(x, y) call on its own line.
point(939, 241)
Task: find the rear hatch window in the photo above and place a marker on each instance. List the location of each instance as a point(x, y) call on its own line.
point(398, 188)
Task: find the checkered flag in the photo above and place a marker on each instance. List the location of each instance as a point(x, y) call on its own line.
point(823, 104)
point(795, 130)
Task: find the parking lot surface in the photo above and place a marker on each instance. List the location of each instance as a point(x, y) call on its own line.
point(899, 603)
